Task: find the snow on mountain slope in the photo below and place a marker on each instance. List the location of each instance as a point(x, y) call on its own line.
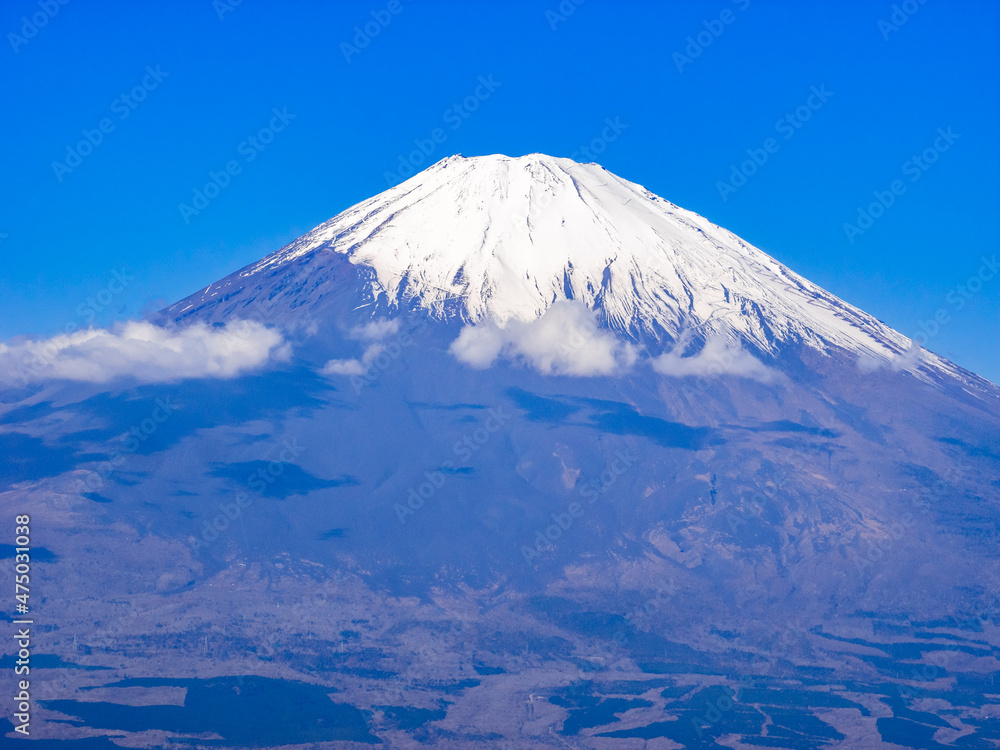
point(495, 239)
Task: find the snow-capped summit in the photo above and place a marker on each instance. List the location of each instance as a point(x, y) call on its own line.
point(497, 239)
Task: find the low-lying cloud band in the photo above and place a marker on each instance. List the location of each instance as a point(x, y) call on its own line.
point(143, 352)
point(565, 340)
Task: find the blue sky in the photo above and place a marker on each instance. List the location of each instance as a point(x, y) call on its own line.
point(173, 92)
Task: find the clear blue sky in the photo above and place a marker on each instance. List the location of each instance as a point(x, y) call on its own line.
point(62, 239)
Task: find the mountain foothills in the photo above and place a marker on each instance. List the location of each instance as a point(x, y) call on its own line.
point(514, 454)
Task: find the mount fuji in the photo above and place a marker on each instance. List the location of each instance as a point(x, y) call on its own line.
point(495, 239)
point(514, 454)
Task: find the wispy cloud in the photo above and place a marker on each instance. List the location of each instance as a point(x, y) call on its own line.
point(376, 330)
point(565, 340)
point(353, 366)
point(373, 332)
point(143, 352)
point(717, 357)
point(907, 360)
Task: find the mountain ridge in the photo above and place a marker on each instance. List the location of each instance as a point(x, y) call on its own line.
point(522, 233)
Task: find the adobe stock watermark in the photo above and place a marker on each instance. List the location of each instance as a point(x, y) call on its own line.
point(592, 490)
point(940, 660)
point(363, 35)
point(463, 449)
point(753, 506)
point(901, 13)
point(714, 28)
point(31, 25)
point(957, 298)
point(99, 302)
point(562, 12)
point(262, 309)
point(893, 533)
point(138, 434)
point(222, 7)
point(258, 482)
point(786, 127)
point(454, 117)
point(122, 106)
point(914, 168)
point(87, 311)
point(250, 148)
point(612, 129)
point(388, 353)
point(654, 605)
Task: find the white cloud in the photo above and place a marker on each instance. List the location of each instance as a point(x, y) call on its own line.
point(375, 332)
point(478, 346)
point(353, 366)
point(907, 360)
point(565, 340)
point(716, 357)
point(343, 367)
point(143, 352)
